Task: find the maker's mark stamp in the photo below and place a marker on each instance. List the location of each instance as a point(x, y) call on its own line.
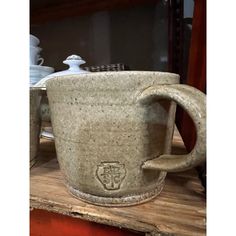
point(111, 174)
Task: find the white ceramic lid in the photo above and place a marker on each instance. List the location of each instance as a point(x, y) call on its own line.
point(74, 62)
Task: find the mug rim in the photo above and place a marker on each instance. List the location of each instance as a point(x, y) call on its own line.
point(109, 77)
point(34, 40)
point(128, 72)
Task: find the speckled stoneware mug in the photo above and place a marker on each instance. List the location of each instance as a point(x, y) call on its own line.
point(113, 133)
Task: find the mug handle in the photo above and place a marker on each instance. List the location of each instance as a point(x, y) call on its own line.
point(42, 61)
point(193, 102)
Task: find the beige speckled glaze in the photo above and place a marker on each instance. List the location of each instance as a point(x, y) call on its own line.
point(34, 124)
point(113, 133)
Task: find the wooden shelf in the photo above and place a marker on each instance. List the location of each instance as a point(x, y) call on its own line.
point(178, 210)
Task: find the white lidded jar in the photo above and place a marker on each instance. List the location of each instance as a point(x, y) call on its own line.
point(74, 62)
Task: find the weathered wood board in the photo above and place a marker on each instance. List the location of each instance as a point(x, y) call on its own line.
point(180, 209)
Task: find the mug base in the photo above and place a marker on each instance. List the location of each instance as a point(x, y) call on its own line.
point(116, 201)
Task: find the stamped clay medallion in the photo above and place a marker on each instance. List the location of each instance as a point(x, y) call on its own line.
point(111, 174)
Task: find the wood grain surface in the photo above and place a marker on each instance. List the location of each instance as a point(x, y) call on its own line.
point(180, 209)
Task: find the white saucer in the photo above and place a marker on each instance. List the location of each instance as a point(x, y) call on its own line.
point(47, 133)
point(47, 69)
point(38, 72)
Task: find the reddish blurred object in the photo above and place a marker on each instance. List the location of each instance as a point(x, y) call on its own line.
point(45, 223)
point(196, 70)
point(196, 77)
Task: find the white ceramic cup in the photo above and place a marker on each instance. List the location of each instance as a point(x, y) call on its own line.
point(35, 58)
point(34, 41)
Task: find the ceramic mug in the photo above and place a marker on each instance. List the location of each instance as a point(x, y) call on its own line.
point(35, 58)
point(35, 124)
point(34, 41)
point(113, 133)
